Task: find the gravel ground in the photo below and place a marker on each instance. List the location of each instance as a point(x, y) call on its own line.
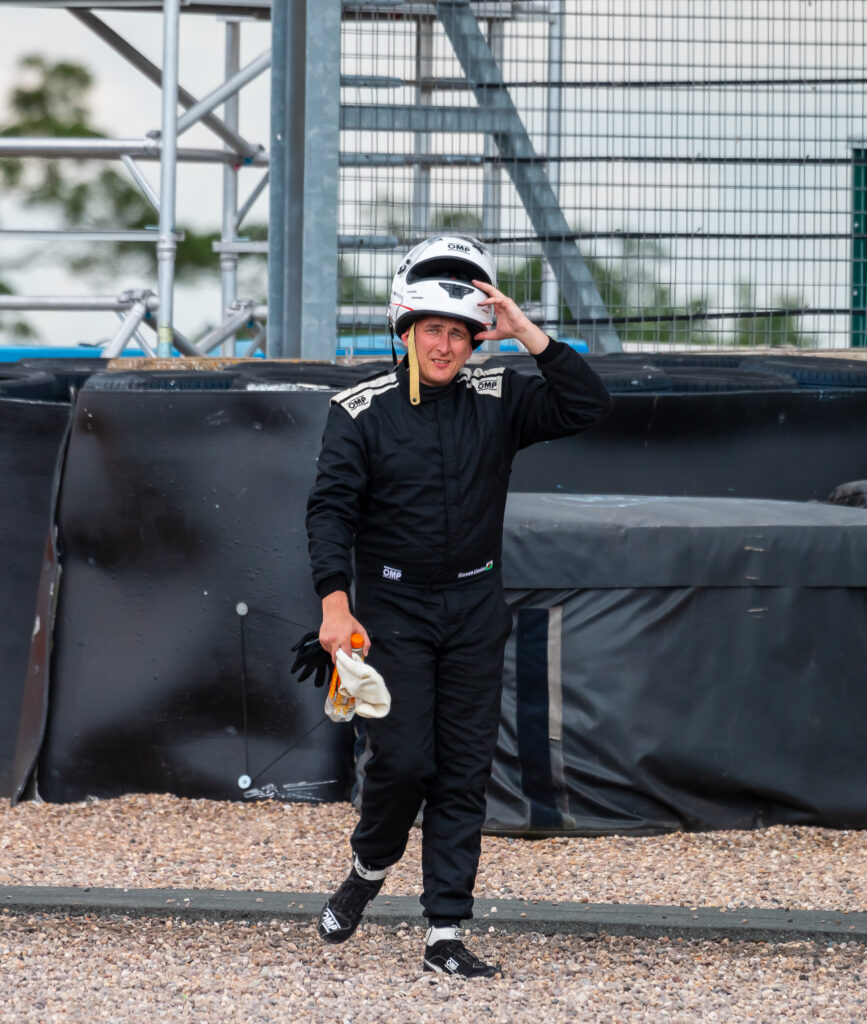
point(85, 969)
point(163, 841)
point(59, 970)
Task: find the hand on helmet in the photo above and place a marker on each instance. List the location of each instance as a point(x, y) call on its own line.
point(511, 321)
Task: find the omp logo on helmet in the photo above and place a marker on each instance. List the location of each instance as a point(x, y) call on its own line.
point(459, 247)
point(456, 291)
point(329, 921)
point(391, 574)
point(356, 402)
point(487, 385)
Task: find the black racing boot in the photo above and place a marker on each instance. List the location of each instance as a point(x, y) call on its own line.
point(444, 953)
point(342, 913)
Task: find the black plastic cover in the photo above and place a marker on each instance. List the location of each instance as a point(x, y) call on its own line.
point(176, 508)
point(31, 434)
point(785, 445)
point(681, 664)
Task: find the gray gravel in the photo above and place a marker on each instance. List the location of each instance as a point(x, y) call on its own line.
point(167, 842)
point(59, 969)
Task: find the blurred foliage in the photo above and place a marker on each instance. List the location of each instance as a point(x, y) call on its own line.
point(52, 101)
point(631, 286)
point(776, 331)
point(14, 328)
point(461, 221)
point(631, 281)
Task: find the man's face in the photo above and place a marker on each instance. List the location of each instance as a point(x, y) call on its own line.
point(443, 346)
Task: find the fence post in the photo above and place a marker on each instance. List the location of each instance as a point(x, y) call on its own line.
point(859, 248)
point(286, 216)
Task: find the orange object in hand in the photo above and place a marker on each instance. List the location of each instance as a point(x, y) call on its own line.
point(340, 706)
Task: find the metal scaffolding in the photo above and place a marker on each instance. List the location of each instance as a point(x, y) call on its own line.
point(304, 165)
point(145, 307)
point(645, 176)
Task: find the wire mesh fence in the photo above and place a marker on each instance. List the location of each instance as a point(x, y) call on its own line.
point(705, 159)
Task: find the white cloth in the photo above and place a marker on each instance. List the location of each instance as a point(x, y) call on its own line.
point(360, 680)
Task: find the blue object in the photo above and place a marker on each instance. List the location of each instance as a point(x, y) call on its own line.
point(12, 353)
point(378, 344)
point(370, 345)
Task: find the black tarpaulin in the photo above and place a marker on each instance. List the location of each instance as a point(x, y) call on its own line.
point(31, 435)
point(681, 664)
point(608, 540)
point(783, 445)
point(176, 509)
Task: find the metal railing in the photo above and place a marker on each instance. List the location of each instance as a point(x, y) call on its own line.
point(646, 176)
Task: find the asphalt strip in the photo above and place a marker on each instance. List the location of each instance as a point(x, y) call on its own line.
point(549, 918)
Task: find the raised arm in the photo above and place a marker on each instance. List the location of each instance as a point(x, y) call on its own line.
point(569, 398)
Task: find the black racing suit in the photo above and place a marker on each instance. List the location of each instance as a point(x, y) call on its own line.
point(418, 493)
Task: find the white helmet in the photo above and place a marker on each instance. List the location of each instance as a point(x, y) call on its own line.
point(434, 279)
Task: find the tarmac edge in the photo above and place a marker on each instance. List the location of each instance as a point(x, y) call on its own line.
point(542, 916)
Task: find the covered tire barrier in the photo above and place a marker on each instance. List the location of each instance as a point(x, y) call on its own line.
point(852, 494)
point(179, 506)
point(185, 583)
point(784, 442)
point(621, 376)
point(816, 371)
point(627, 373)
point(33, 426)
point(71, 372)
point(162, 380)
point(681, 664)
point(31, 384)
point(702, 380)
point(276, 376)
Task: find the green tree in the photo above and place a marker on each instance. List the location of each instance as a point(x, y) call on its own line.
point(629, 286)
point(53, 101)
point(460, 220)
point(776, 331)
point(13, 327)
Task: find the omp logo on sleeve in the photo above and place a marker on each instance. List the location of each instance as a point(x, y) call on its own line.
point(354, 403)
point(391, 574)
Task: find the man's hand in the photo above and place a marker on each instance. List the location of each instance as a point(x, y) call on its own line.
point(512, 322)
point(338, 625)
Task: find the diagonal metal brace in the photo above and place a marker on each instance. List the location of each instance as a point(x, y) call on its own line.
point(238, 315)
point(527, 171)
point(233, 140)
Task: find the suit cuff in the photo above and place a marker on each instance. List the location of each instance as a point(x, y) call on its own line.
point(550, 352)
point(330, 584)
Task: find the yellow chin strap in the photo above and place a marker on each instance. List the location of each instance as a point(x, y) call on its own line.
point(414, 395)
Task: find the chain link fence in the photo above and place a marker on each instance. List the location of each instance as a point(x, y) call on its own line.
point(703, 161)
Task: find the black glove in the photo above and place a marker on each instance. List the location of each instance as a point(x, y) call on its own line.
point(311, 657)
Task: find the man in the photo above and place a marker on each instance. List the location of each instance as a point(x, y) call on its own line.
point(412, 477)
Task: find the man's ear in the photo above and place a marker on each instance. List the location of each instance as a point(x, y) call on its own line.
point(404, 337)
